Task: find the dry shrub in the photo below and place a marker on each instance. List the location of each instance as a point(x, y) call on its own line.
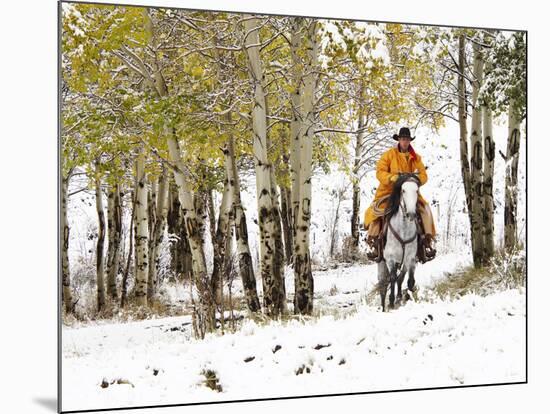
point(505, 270)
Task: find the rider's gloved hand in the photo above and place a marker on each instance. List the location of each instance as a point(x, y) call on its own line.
point(394, 178)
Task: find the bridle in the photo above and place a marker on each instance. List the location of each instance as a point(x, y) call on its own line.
point(403, 207)
point(402, 242)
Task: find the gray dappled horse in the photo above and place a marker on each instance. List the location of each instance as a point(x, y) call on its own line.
point(399, 255)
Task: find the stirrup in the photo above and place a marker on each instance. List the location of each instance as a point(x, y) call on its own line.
point(373, 254)
point(421, 255)
point(421, 252)
point(429, 250)
point(374, 244)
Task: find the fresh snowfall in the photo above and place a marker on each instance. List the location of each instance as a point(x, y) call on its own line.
point(475, 337)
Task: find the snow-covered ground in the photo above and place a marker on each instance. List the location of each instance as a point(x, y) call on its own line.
point(351, 347)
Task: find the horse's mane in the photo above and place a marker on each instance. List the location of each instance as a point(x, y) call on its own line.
point(395, 197)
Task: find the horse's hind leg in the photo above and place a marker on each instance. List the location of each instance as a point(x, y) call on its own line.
point(383, 283)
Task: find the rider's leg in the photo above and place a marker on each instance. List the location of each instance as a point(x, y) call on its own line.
point(373, 239)
point(428, 228)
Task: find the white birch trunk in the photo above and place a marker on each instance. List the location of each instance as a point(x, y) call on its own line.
point(64, 243)
point(286, 218)
point(205, 309)
point(161, 213)
point(462, 118)
point(303, 278)
point(356, 200)
point(151, 222)
point(271, 281)
point(219, 243)
point(246, 270)
point(142, 233)
point(279, 254)
point(511, 181)
point(100, 241)
point(488, 172)
point(180, 251)
point(124, 287)
point(476, 160)
point(211, 210)
point(296, 74)
point(114, 230)
point(199, 201)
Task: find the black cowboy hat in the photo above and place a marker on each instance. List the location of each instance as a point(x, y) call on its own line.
point(403, 133)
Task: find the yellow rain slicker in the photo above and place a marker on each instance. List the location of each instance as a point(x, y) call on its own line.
point(391, 163)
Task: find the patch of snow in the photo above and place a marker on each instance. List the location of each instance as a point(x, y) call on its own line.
point(473, 340)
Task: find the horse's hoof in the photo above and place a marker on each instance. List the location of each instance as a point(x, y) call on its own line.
point(407, 297)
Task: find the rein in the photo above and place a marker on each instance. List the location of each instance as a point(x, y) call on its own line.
point(402, 242)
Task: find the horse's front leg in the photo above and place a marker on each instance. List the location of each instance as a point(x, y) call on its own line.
point(411, 282)
point(393, 280)
point(383, 283)
point(400, 279)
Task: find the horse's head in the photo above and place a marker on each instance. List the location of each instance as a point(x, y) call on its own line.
point(409, 197)
point(405, 195)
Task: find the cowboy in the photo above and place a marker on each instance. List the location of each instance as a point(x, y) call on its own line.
point(397, 160)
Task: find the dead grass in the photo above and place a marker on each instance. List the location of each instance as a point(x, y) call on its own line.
point(131, 312)
point(461, 283)
point(506, 270)
point(211, 380)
